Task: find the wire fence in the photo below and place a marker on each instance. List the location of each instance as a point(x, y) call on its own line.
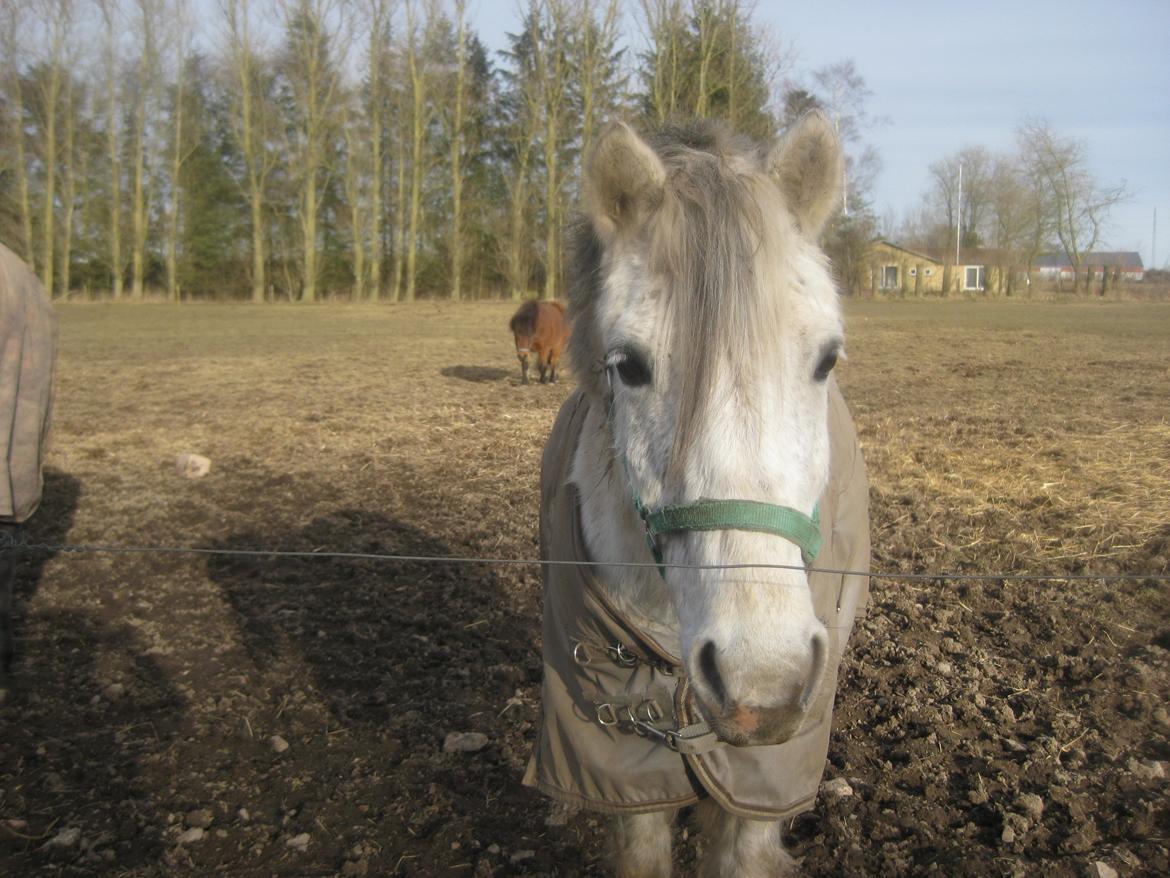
point(10, 543)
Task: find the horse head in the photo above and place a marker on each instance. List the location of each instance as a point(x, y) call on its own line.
point(706, 325)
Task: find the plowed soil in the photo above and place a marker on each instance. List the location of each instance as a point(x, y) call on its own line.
point(254, 715)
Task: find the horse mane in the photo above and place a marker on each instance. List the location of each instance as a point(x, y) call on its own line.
point(523, 322)
point(715, 216)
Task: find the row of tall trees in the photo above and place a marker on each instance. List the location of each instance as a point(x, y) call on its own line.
point(373, 149)
point(1041, 197)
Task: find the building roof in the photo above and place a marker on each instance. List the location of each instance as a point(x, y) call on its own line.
point(918, 254)
point(1098, 258)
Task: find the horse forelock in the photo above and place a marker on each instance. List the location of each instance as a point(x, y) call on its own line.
point(720, 226)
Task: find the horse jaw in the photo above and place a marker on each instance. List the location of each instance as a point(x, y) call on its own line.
point(614, 536)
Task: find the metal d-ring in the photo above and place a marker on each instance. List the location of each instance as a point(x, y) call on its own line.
point(643, 716)
point(606, 714)
point(651, 711)
point(581, 654)
point(621, 656)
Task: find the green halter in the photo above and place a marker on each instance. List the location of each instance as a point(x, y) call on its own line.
point(782, 521)
point(750, 515)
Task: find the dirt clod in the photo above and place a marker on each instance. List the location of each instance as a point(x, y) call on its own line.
point(464, 742)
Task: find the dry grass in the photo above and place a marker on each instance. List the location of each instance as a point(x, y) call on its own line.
point(1037, 433)
point(1015, 437)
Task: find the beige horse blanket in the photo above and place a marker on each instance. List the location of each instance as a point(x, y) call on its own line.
point(28, 352)
point(585, 755)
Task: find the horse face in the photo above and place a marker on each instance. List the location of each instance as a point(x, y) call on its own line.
point(718, 324)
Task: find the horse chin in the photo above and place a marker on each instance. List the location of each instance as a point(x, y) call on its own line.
point(749, 726)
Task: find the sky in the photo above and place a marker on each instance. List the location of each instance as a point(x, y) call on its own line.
point(948, 75)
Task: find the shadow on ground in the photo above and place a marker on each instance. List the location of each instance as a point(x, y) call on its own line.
point(390, 657)
point(89, 713)
point(477, 374)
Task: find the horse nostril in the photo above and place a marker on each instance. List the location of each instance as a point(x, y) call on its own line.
point(819, 651)
point(710, 671)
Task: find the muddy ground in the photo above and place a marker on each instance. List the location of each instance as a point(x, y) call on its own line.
point(222, 714)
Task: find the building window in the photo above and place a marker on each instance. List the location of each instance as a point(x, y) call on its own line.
point(890, 277)
point(974, 278)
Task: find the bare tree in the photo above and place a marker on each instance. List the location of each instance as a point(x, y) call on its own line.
point(709, 24)
point(68, 184)
point(456, 137)
point(1078, 205)
point(418, 38)
point(181, 146)
point(595, 38)
point(111, 52)
point(843, 94)
point(521, 114)
point(314, 35)
point(664, 25)
point(56, 19)
point(354, 129)
point(403, 103)
point(1017, 227)
point(549, 34)
point(147, 26)
point(252, 121)
point(12, 39)
point(968, 209)
point(377, 23)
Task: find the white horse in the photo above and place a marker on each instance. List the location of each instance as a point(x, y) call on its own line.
point(705, 325)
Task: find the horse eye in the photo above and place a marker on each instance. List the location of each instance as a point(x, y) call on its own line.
point(828, 361)
point(631, 367)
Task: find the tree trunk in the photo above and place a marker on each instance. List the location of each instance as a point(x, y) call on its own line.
point(138, 205)
point(457, 156)
point(256, 200)
point(550, 200)
point(115, 202)
point(48, 229)
point(309, 241)
point(21, 166)
point(416, 175)
point(379, 169)
point(400, 219)
point(69, 195)
point(172, 246)
point(418, 132)
point(517, 228)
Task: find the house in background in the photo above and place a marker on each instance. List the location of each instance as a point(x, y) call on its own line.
point(894, 268)
point(987, 270)
point(1121, 265)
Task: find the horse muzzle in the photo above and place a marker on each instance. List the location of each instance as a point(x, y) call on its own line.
point(754, 704)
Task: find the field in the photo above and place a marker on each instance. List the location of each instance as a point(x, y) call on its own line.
point(985, 728)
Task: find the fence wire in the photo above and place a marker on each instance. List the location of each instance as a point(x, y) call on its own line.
point(9, 543)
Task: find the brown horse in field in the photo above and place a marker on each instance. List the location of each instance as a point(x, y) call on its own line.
point(540, 328)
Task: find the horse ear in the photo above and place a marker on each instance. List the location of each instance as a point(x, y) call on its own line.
point(624, 179)
point(808, 165)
